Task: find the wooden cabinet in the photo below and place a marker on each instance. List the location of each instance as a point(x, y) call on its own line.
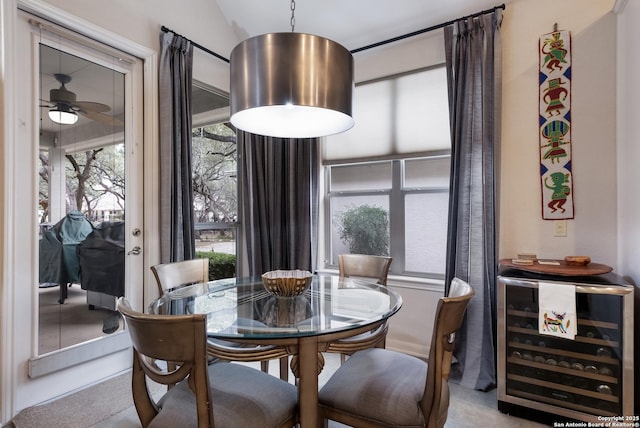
point(581, 379)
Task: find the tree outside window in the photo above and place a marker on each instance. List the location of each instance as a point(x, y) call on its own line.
point(365, 229)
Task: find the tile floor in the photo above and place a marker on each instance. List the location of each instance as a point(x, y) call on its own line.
point(468, 408)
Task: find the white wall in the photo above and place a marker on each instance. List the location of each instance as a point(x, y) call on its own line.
point(593, 232)
point(141, 20)
point(629, 133)
point(628, 156)
point(411, 328)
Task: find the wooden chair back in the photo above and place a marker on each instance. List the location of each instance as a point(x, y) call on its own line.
point(449, 316)
point(178, 274)
point(176, 339)
point(364, 266)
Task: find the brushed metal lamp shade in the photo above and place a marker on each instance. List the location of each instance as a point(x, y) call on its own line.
point(291, 85)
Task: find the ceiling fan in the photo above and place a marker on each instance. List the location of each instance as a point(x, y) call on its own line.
point(65, 108)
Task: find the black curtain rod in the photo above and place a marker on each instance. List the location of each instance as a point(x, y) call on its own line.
point(168, 30)
point(374, 45)
point(426, 30)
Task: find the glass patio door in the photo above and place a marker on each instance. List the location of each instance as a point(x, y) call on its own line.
point(89, 204)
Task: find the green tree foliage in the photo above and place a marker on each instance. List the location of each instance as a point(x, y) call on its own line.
point(221, 265)
point(365, 229)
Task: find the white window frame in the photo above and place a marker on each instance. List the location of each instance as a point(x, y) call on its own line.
point(397, 226)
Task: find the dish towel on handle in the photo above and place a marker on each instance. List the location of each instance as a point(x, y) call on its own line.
point(557, 310)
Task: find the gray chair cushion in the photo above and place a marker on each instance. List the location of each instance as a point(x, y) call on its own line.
point(242, 397)
point(378, 384)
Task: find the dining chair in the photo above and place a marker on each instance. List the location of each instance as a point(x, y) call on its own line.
point(199, 394)
point(367, 267)
point(179, 274)
point(381, 388)
point(364, 266)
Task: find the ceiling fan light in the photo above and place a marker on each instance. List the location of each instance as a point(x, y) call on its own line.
point(291, 85)
point(63, 116)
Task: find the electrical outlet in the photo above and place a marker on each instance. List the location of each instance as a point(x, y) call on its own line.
point(560, 228)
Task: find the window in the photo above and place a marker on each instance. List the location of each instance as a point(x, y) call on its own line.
point(395, 207)
point(425, 191)
point(387, 180)
point(215, 178)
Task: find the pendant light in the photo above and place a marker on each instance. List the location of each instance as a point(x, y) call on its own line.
point(291, 85)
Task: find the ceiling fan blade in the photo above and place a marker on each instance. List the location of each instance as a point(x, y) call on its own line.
point(62, 97)
point(101, 117)
point(91, 106)
point(46, 103)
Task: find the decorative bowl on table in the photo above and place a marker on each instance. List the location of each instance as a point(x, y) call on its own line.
point(577, 260)
point(286, 283)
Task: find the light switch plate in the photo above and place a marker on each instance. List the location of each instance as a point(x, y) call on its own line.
point(560, 228)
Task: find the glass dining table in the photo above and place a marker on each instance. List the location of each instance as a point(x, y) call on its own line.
point(247, 323)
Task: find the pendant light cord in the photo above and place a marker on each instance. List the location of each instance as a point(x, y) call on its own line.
point(293, 15)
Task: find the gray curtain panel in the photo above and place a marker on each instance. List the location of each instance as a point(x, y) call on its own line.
point(280, 201)
point(176, 196)
point(473, 59)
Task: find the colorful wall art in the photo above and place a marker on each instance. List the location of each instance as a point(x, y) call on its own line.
point(555, 125)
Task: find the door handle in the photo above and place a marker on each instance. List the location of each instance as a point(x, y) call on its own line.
point(135, 251)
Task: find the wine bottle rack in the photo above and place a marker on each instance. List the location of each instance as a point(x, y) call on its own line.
point(581, 379)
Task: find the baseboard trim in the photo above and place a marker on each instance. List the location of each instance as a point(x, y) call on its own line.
point(409, 348)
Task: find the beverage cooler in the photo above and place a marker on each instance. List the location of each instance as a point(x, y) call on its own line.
point(584, 376)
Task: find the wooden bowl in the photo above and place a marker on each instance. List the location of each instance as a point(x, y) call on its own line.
point(577, 260)
point(286, 283)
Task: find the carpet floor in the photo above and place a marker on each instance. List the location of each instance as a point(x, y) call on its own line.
point(81, 409)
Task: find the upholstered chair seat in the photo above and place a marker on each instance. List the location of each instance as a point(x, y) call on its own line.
point(171, 350)
point(391, 386)
point(241, 396)
point(382, 388)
